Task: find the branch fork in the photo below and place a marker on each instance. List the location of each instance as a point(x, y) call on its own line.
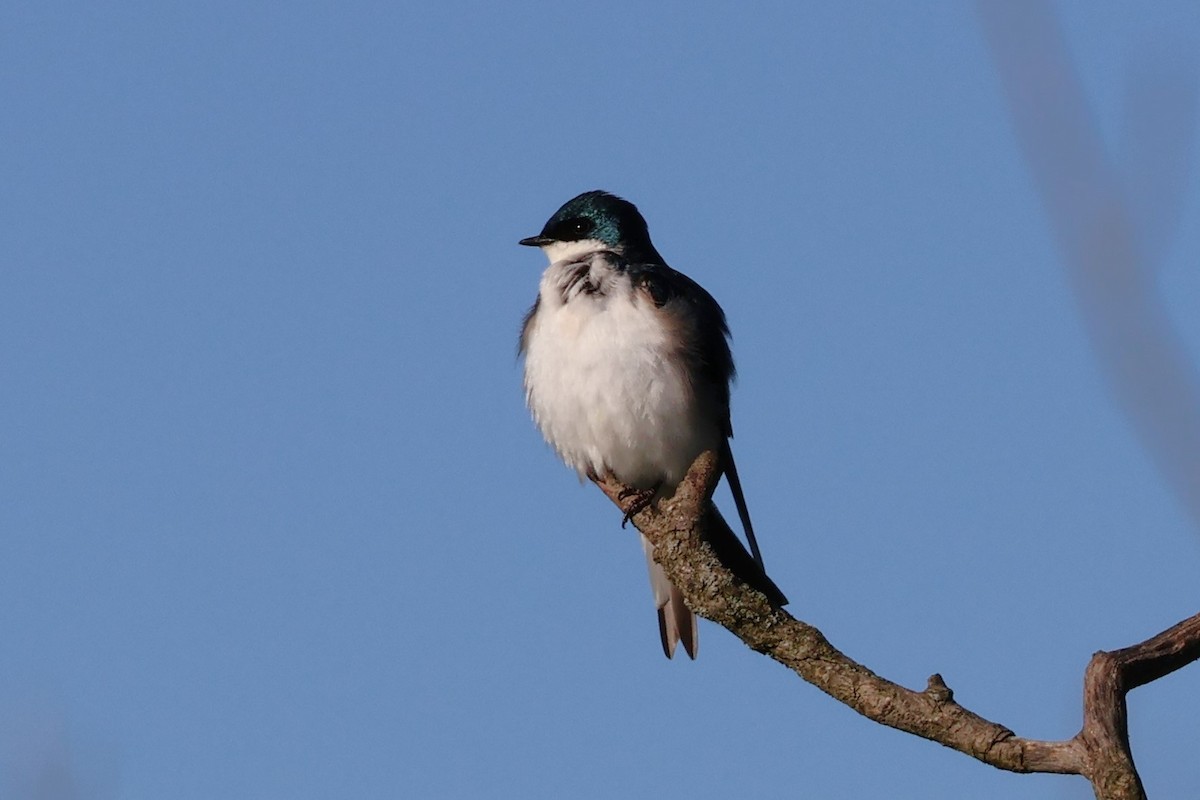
point(1100, 751)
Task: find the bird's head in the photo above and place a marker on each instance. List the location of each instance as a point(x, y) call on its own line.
point(595, 221)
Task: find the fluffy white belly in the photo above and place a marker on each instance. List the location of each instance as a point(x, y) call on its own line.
point(605, 393)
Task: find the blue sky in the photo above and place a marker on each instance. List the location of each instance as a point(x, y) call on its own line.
point(274, 522)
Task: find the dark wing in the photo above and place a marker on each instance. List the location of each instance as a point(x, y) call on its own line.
point(739, 499)
point(709, 357)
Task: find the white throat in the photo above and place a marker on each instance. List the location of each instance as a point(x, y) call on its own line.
point(573, 251)
point(604, 376)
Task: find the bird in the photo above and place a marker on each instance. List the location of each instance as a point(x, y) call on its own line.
point(627, 373)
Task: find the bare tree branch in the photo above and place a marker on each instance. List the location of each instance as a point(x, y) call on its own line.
point(1100, 751)
point(1109, 677)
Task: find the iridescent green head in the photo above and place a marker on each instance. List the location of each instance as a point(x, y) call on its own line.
point(601, 217)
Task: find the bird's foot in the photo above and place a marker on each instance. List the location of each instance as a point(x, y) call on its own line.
point(641, 500)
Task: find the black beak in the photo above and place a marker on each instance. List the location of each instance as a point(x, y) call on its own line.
point(536, 241)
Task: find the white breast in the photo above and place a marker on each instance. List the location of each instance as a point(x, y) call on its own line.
point(603, 386)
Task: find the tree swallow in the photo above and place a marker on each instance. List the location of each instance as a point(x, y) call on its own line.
point(627, 373)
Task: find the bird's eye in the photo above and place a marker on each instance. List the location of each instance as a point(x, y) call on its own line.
point(573, 229)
